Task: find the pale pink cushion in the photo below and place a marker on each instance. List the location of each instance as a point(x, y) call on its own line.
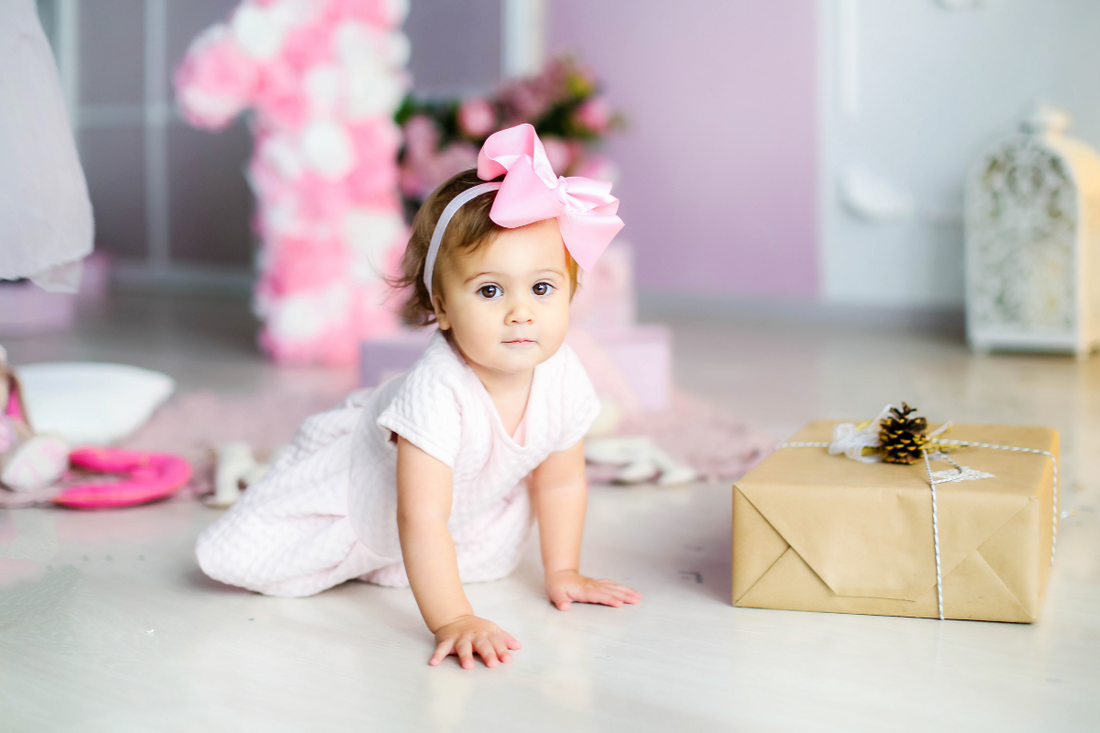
point(91, 403)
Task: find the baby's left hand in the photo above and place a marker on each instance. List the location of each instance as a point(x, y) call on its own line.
point(567, 586)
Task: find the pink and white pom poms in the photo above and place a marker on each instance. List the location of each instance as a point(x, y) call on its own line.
point(322, 79)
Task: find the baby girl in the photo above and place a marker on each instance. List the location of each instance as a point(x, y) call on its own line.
point(432, 479)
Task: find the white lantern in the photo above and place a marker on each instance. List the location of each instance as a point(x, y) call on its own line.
point(1033, 242)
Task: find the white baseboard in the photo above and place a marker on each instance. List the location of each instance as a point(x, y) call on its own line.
point(656, 305)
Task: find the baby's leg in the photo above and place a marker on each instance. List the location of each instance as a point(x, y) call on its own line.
point(290, 534)
point(292, 557)
point(317, 431)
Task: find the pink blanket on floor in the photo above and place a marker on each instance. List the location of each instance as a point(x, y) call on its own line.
point(713, 443)
point(716, 445)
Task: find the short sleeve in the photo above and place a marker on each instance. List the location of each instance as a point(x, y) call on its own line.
point(426, 411)
point(580, 404)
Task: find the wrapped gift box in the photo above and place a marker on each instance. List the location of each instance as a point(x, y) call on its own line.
point(820, 532)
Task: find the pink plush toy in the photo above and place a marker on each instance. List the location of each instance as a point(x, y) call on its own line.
point(324, 78)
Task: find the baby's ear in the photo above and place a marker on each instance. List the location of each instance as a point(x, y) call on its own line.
point(440, 312)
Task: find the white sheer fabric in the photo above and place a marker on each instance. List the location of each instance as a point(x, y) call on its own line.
point(45, 215)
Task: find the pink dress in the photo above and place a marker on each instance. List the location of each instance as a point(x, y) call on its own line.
point(327, 511)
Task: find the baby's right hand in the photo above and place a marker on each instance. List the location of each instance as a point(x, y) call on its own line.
point(469, 634)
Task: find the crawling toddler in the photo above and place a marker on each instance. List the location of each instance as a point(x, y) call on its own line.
point(433, 478)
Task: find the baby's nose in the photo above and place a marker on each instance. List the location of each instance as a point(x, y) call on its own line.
point(520, 313)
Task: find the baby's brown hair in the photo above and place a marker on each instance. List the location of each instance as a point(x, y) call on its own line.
point(468, 230)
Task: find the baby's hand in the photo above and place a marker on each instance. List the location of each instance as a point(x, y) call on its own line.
point(470, 634)
point(566, 586)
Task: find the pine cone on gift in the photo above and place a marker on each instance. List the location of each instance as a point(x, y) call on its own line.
point(902, 439)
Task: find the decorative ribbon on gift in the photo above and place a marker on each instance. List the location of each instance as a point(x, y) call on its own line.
point(897, 437)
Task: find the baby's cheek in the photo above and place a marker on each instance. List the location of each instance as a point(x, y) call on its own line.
point(477, 338)
point(555, 319)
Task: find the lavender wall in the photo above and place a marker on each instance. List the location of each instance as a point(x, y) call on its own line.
point(455, 46)
point(719, 163)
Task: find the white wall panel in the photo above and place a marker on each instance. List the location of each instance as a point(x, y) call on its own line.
point(911, 92)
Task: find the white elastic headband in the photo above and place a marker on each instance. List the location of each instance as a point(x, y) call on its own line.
point(445, 219)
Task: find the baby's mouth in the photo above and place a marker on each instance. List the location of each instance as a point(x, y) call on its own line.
point(519, 342)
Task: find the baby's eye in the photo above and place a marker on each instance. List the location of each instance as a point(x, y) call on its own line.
point(542, 288)
point(490, 292)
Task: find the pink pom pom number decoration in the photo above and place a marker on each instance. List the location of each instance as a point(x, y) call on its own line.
point(322, 79)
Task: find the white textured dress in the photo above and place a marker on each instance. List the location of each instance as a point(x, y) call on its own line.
point(327, 511)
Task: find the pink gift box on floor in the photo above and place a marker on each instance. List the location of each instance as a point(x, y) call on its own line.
point(380, 359)
point(605, 296)
point(637, 359)
point(640, 356)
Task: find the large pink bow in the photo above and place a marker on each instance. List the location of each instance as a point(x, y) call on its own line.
point(584, 208)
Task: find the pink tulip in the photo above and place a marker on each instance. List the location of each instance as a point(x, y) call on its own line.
point(410, 183)
point(455, 158)
point(421, 174)
point(476, 117)
point(595, 114)
point(558, 153)
point(421, 137)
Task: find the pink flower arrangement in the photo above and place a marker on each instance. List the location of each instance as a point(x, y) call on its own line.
point(595, 114)
point(562, 102)
point(558, 153)
point(476, 117)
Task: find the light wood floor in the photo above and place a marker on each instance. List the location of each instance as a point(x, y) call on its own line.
point(106, 624)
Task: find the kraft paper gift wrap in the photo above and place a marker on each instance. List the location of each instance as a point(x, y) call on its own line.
point(820, 532)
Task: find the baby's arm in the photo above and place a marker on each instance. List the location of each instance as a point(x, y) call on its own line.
point(560, 495)
point(424, 489)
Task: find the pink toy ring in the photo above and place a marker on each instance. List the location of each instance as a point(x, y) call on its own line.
point(136, 478)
